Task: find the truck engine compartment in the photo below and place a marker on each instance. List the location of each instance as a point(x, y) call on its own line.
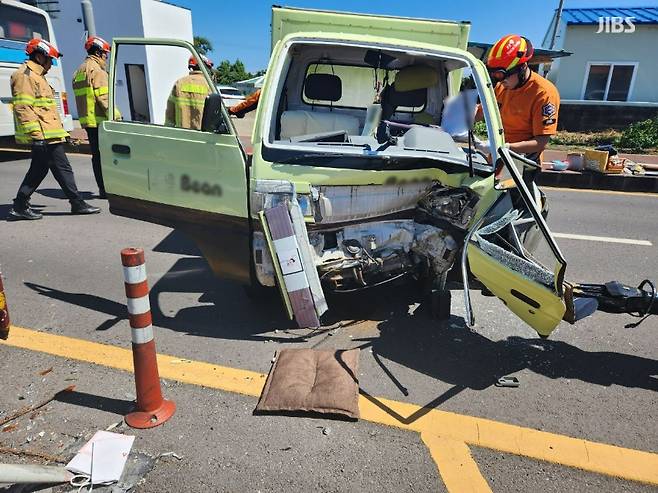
point(421, 232)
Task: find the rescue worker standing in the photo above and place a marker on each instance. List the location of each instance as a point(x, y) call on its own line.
point(529, 103)
point(188, 96)
point(37, 123)
point(91, 99)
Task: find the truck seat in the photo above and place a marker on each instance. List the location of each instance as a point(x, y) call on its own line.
point(300, 122)
point(318, 87)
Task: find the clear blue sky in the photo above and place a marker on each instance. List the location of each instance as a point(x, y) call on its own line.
point(241, 28)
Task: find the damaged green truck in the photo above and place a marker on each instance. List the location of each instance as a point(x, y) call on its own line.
point(358, 174)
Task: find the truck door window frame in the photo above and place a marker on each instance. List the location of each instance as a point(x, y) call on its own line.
point(144, 42)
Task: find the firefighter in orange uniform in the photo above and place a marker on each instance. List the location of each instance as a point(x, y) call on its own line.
point(529, 103)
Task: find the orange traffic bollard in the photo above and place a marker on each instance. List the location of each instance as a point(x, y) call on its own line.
point(152, 410)
point(4, 312)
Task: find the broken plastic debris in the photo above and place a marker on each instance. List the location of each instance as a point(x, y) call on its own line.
point(171, 454)
point(508, 382)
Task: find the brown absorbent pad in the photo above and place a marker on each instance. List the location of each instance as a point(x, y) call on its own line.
point(313, 381)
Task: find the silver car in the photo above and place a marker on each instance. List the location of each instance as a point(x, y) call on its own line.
point(230, 95)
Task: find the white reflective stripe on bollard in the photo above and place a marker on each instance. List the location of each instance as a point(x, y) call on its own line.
point(134, 275)
point(142, 336)
point(137, 306)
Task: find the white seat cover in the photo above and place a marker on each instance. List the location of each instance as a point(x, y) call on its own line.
point(299, 122)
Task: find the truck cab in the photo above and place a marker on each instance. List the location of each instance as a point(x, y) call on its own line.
point(362, 171)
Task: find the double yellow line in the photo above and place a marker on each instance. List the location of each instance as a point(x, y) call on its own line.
point(447, 435)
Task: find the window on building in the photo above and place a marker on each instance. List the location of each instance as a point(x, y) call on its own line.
point(609, 81)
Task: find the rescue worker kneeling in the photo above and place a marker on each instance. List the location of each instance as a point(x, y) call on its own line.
point(188, 96)
point(38, 124)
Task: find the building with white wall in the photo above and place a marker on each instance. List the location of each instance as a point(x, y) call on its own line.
point(610, 78)
point(138, 67)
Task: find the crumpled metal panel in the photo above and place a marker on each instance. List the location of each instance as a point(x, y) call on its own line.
point(349, 203)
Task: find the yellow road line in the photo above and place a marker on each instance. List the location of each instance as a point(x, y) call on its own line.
point(456, 465)
point(596, 457)
point(606, 192)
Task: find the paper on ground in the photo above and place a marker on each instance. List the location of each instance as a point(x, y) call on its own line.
point(110, 452)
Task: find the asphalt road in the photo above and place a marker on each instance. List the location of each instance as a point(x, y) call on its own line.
point(596, 381)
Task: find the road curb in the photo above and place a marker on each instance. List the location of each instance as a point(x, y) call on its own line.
point(598, 181)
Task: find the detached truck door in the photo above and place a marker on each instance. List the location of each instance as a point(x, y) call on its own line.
point(515, 275)
point(158, 169)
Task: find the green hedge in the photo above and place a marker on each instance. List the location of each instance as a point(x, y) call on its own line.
point(640, 135)
point(637, 137)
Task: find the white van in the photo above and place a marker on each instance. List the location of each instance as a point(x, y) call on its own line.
point(18, 24)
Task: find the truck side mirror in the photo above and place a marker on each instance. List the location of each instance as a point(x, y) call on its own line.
point(213, 119)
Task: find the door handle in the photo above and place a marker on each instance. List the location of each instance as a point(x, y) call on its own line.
point(120, 149)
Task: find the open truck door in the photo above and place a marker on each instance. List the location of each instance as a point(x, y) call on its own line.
point(528, 279)
point(190, 179)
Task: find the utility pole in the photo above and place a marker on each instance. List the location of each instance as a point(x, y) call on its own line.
point(88, 16)
point(558, 19)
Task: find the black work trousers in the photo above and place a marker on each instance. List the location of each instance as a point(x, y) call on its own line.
point(92, 135)
point(49, 157)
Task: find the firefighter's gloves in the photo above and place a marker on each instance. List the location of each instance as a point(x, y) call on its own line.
point(238, 114)
point(483, 146)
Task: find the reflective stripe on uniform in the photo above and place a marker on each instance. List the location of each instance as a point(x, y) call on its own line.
point(43, 102)
point(22, 98)
point(194, 88)
point(187, 101)
point(23, 131)
point(28, 127)
point(91, 121)
point(52, 134)
point(101, 90)
point(83, 91)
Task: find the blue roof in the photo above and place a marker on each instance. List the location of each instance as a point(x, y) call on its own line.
point(642, 15)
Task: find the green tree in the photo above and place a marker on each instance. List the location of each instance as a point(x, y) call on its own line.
point(202, 45)
point(228, 73)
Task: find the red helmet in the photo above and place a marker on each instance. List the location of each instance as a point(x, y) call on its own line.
point(509, 52)
point(96, 42)
point(192, 63)
point(38, 45)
